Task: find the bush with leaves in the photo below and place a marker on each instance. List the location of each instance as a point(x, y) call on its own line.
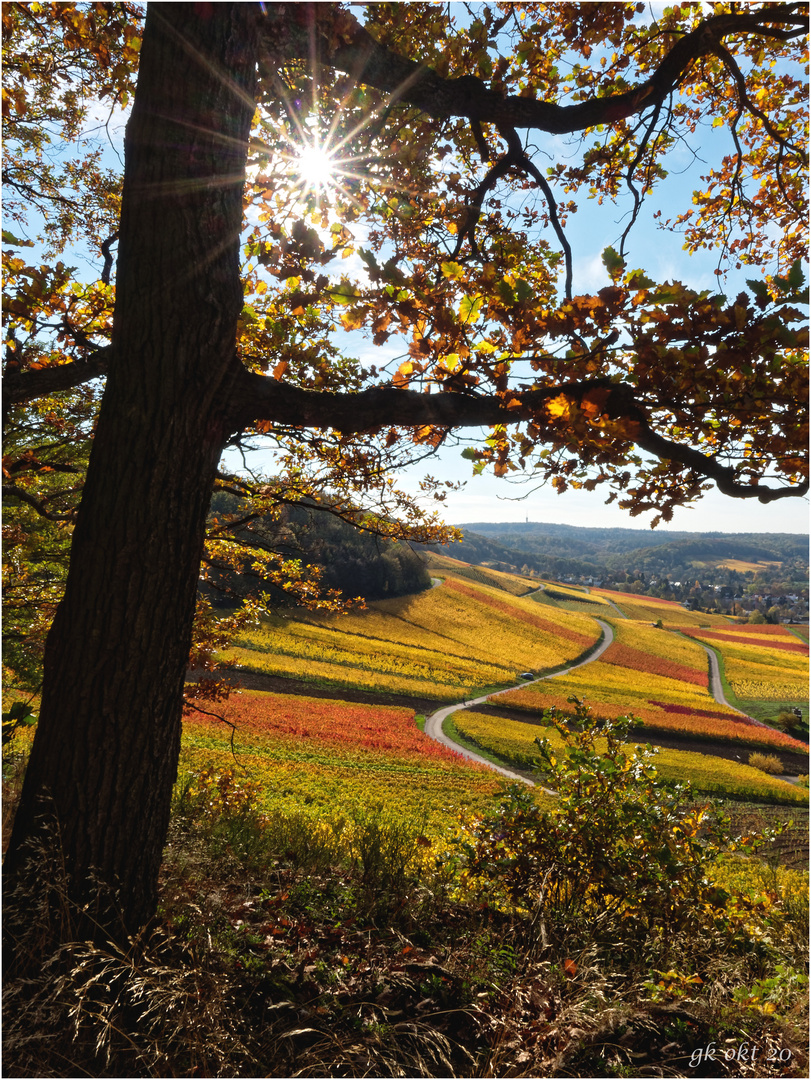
point(768, 763)
point(616, 840)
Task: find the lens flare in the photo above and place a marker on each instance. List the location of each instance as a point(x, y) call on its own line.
point(316, 168)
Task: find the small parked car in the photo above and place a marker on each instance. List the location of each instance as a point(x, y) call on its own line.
point(527, 675)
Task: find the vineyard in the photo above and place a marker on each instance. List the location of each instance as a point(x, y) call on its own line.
point(659, 677)
point(514, 740)
point(444, 644)
point(471, 634)
point(650, 609)
point(515, 584)
point(322, 755)
point(761, 663)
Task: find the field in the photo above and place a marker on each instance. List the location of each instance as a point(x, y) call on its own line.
point(514, 740)
point(328, 756)
point(659, 677)
point(651, 609)
point(515, 584)
point(761, 663)
point(742, 566)
point(444, 644)
point(572, 598)
point(469, 635)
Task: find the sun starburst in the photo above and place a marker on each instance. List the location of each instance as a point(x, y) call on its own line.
point(317, 167)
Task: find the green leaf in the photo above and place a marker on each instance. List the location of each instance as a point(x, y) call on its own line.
point(796, 277)
point(10, 238)
point(506, 293)
point(759, 288)
point(613, 263)
point(638, 279)
point(370, 260)
point(470, 307)
point(523, 291)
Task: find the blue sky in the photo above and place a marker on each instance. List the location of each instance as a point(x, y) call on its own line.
point(660, 254)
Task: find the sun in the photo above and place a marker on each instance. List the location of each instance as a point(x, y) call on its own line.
point(316, 168)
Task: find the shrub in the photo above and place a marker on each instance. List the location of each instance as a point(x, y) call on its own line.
point(768, 763)
point(787, 720)
point(617, 839)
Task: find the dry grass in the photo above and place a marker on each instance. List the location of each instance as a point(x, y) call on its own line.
point(275, 956)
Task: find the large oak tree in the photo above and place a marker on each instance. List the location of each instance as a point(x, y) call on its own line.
point(440, 136)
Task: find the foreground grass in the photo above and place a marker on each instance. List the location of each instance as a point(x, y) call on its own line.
point(314, 936)
point(287, 946)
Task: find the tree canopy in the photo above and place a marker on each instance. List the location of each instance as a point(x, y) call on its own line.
point(444, 153)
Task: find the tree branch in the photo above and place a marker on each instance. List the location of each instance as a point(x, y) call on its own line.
point(22, 386)
point(11, 491)
point(367, 61)
point(258, 397)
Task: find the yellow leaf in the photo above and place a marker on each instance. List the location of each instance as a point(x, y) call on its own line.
point(470, 307)
point(452, 270)
point(559, 406)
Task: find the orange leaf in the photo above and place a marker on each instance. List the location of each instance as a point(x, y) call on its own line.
point(570, 967)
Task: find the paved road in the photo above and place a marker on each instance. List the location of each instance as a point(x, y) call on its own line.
point(717, 689)
point(433, 725)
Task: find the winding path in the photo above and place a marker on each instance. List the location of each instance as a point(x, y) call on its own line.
point(717, 689)
point(433, 724)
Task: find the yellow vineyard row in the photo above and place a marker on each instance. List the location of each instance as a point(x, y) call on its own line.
point(514, 740)
point(516, 584)
point(602, 682)
point(651, 609)
point(762, 667)
point(461, 635)
point(661, 643)
point(438, 688)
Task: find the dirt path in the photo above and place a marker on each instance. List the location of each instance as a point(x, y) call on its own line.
point(433, 724)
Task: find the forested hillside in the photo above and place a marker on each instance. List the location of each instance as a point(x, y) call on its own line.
point(357, 562)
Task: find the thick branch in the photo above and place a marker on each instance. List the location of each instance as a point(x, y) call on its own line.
point(258, 397)
point(369, 62)
point(22, 386)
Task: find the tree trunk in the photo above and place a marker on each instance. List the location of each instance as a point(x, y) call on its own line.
point(105, 754)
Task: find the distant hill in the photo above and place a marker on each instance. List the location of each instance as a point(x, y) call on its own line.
point(599, 543)
point(750, 569)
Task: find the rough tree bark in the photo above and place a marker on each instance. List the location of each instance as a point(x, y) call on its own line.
point(105, 754)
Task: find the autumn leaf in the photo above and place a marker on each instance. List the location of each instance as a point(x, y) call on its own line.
point(470, 308)
point(614, 264)
point(559, 408)
point(452, 270)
